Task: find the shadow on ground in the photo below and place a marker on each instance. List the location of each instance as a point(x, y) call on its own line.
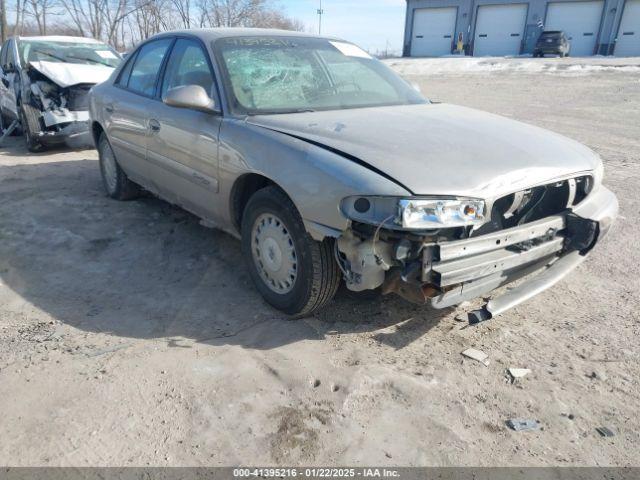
point(146, 269)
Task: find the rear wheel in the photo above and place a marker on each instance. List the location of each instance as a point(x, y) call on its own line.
point(293, 272)
point(29, 118)
point(115, 181)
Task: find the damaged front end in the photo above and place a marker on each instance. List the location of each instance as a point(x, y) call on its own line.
point(58, 114)
point(547, 229)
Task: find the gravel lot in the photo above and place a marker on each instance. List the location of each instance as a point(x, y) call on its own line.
point(131, 335)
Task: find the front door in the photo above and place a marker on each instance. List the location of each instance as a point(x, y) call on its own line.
point(183, 144)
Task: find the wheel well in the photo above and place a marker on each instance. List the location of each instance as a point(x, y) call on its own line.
point(242, 191)
point(96, 130)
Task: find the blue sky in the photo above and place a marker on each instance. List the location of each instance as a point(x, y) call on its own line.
point(369, 23)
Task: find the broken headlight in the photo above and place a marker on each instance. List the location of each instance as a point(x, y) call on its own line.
point(414, 213)
point(440, 213)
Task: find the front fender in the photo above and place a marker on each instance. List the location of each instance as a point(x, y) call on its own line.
point(314, 178)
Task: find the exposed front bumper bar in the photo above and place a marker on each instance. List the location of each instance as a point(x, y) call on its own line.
point(470, 268)
point(74, 134)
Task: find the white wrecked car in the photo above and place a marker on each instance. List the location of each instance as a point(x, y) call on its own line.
point(44, 82)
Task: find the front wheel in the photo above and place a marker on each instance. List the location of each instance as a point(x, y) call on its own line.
point(29, 119)
point(293, 272)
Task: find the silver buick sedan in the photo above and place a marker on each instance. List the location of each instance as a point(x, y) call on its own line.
point(329, 166)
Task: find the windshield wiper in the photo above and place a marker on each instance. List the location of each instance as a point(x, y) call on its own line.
point(278, 112)
point(62, 59)
point(90, 60)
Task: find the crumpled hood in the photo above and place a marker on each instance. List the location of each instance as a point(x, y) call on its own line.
point(440, 149)
point(68, 74)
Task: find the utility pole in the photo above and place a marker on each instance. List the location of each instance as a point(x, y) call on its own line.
point(320, 12)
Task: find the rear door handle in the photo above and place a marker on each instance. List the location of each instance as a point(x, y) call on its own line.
point(108, 108)
point(154, 125)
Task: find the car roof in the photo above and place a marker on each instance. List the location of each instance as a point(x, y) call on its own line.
point(209, 34)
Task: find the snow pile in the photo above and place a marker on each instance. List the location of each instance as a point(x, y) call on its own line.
point(473, 65)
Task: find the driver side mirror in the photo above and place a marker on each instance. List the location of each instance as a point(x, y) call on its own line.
point(193, 97)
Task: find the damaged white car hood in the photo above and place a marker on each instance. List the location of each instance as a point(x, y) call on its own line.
point(68, 74)
point(440, 149)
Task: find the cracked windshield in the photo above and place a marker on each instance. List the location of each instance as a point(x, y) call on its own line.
point(68, 52)
point(273, 75)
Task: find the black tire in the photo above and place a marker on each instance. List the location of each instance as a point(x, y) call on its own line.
point(318, 276)
point(30, 120)
point(115, 181)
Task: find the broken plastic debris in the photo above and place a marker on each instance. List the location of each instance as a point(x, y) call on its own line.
point(522, 424)
point(605, 432)
point(519, 372)
point(477, 355)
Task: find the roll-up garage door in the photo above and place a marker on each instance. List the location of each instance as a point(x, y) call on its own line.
point(628, 42)
point(580, 21)
point(433, 31)
point(499, 29)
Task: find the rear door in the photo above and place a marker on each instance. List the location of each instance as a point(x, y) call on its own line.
point(126, 106)
point(433, 31)
point(183, 143)
point(580, 21)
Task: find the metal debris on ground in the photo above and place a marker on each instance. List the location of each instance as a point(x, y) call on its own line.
point(477, 355)
point(518, 372)
point(522, 424)
point(605, 432)
point(6, 132)
point(110, 349)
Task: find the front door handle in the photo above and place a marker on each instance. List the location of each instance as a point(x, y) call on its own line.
point(154, 125)
point(108, 108)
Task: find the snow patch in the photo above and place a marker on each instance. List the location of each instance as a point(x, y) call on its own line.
point(473, 65)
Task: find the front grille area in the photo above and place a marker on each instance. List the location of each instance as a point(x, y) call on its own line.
point(536, 203)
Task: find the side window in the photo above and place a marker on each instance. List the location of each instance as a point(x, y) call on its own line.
point(3, 54)
point(7, 57)
point(187, 65)
point(147, 66)
point(123, 80)
point(11, 56)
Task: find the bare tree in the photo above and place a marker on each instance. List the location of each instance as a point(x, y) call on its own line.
point(183, 9)
point(243, 13)
point(3, 20)
point(123, 23)
point(17, 27)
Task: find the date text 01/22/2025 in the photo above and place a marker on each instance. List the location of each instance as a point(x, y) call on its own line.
point(316, 472)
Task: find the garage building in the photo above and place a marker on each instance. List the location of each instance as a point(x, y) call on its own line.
point(511, 27)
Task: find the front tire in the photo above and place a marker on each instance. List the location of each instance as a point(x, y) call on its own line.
point(29, 119)
point(115, 181)
point(293, 272)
